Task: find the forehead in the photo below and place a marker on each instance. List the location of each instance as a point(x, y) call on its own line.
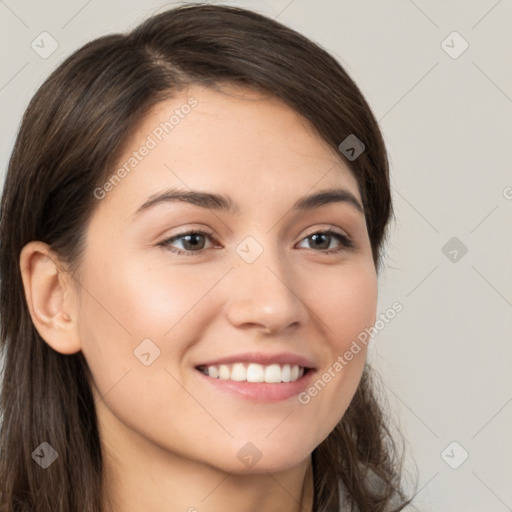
point(245, 144)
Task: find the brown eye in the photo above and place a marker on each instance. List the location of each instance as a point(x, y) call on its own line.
point(192, 242)
point(322, 240)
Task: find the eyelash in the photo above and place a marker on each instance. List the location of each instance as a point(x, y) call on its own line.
point(346, 242)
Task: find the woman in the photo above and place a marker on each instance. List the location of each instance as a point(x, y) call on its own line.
point(191, 229)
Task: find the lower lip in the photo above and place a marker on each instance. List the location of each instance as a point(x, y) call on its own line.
point(261, 391)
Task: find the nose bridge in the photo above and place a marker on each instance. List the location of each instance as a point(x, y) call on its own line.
point(264, 288)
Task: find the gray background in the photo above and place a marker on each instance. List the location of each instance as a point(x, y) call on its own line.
point(446, 358)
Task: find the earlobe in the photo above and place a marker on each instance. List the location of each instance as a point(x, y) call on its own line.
point(50, 297)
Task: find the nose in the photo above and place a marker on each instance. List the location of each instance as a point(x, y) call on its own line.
point(265, 294)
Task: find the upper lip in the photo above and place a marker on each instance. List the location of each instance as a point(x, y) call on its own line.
point(263, 359)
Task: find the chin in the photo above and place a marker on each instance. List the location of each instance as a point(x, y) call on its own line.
point(262, 458)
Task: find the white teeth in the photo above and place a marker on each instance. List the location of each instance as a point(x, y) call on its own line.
point(273, 373)
point(238, 372)
point(224, 372)
point(254, 372)
point(286, 373)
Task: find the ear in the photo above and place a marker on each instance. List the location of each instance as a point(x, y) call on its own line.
point(50, 296)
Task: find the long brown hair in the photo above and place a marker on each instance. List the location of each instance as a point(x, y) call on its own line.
point(68, 142)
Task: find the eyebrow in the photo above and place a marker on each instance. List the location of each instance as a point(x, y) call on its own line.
point(222, 202)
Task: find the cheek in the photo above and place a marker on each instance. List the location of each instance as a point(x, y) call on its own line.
point(125, 303)
point(345, 308)
point(347, 305)
point(130, 301)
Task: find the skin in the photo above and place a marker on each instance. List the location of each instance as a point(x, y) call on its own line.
point(171, 439)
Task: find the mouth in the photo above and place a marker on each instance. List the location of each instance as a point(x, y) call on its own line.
point(255, 372)
point(263, 383)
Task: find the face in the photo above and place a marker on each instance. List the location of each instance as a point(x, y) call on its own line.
point(173, 289)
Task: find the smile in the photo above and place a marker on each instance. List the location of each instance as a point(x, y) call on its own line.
point(254, 372)
point(256, 382)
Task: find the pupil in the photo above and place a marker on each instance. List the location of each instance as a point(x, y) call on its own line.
point(193, 243)
point(315, 238)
